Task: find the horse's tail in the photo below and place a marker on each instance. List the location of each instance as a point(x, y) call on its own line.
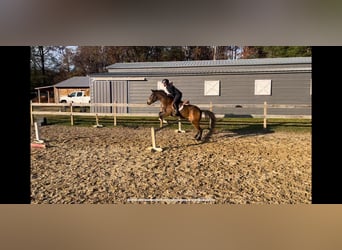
point(212, 117)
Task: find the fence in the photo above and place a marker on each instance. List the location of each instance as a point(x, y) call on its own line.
point(56, 109)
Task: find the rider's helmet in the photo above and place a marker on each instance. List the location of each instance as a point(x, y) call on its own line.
point(165, 81)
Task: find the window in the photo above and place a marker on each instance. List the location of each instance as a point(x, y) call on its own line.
point(262, 87)
point(212, 87)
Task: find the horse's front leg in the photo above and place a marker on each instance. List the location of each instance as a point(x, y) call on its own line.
point(161, 117)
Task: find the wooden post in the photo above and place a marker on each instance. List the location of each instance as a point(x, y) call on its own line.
point(31, 110)
point(161, 121)
point(265, 115)
point(38, 95)
point(211, 109)
point(71, 115)
point(114, 112)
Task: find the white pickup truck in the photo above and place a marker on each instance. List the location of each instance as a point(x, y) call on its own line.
point(75, 97)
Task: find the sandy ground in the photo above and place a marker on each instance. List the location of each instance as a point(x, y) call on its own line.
point(87, 165)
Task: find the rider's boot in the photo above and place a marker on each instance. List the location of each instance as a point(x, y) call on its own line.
point(175, 110)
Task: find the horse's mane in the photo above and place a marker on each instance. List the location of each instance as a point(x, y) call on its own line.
point(162, 92)
point(159, 91)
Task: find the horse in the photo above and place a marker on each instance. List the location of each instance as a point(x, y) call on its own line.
point(187, 111)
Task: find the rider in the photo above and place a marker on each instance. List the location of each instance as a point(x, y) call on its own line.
point(176, 93)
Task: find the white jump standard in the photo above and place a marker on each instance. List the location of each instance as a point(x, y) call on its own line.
point(37, 143)
point(154, 147)
point(179, 130)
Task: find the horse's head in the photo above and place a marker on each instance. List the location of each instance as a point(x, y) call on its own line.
point(153, 97)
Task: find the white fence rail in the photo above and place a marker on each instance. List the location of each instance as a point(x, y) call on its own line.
point(60, 109)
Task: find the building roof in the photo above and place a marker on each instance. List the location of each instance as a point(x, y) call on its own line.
point(74, 82)
point(214, 63)
point(217, 67)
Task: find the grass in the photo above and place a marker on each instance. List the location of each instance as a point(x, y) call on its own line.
point(239, 125)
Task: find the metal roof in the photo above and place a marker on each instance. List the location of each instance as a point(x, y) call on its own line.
point(209, 63)
point(206, 71)
point(74, 82)
point(44, 87)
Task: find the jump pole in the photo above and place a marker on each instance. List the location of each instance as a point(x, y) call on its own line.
point(180, 127)
point(97, 122)
point(37, 143)
point(154, 147)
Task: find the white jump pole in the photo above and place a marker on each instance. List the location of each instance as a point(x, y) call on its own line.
point(97, 122)
point(37, 133)
point(154, 147)
point(180, 127)
point(37, 142)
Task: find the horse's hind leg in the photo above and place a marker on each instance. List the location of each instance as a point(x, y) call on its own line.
point(198, 135)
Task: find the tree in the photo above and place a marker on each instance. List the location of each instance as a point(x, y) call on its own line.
point(275, 51)
point(45, 60)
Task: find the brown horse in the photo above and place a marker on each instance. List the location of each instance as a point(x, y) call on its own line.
point(187, 111)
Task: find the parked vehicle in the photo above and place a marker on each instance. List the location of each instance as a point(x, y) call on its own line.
point(75, 97)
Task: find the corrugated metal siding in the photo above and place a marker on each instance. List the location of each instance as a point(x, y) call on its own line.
point(120, 94)
point(109, 92)
point(237, 90)
point(100, 94)
point(139, 91)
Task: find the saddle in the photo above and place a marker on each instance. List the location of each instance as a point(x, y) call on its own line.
point(182, 103)
point(180, 106)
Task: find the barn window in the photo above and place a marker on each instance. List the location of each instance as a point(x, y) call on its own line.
point(262, 87)
point(212, 87)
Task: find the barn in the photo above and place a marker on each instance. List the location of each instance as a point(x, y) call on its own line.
point(237, 82)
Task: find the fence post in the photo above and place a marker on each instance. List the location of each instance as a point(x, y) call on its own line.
point(31, 111)
point(265, 114)
point(71, 115)
point(160, 120)
point(211, 107)
point(114, 112)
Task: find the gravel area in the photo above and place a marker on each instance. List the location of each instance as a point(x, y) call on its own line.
point(114, 165)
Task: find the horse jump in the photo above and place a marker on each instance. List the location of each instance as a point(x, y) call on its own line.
point(188, 111)
point(154, 147)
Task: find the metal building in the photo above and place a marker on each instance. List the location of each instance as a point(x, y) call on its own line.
point(237, 82)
